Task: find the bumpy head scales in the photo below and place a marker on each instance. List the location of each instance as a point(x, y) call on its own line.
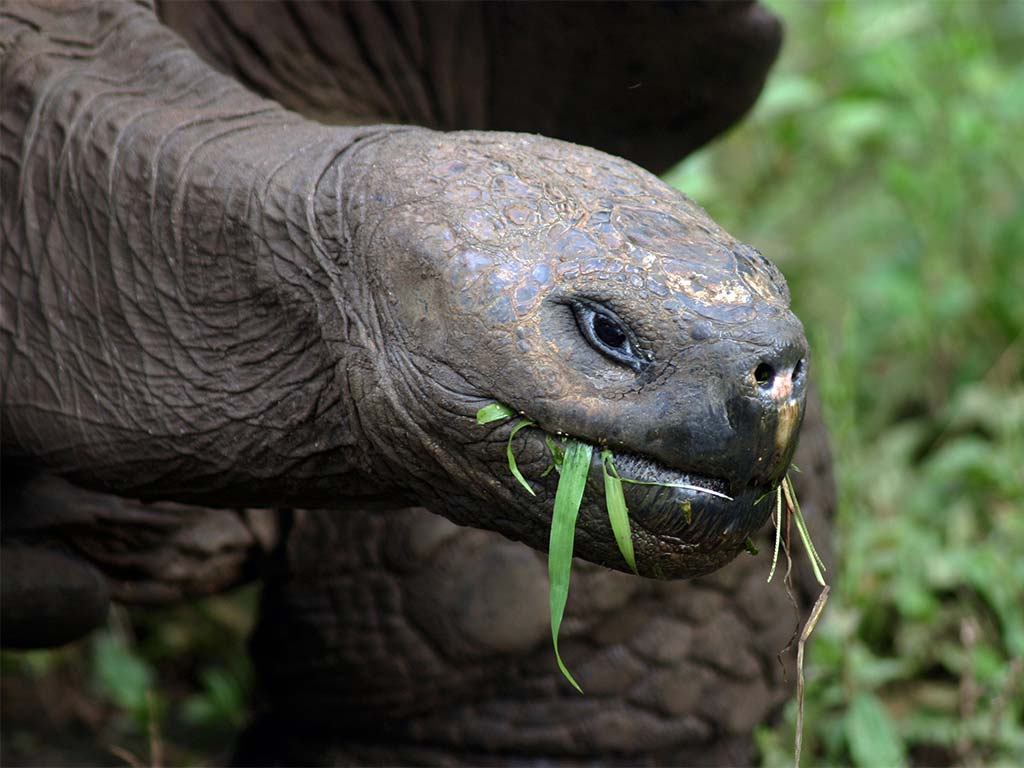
point(606, 306)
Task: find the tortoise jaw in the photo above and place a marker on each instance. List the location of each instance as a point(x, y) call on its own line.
point(690, 508)
point(684, 523)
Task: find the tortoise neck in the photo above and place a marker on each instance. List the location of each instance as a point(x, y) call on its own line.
point(188, 300)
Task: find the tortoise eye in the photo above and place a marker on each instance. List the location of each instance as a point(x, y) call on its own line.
point(607, 334)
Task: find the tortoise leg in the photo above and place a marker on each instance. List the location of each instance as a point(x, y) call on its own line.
point(49, 596)
point(67, 552)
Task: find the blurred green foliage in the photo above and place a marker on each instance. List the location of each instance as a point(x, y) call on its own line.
point(884, 170)
point(155, 687)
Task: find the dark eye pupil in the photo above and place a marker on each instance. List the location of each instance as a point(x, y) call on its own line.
point(609, 332)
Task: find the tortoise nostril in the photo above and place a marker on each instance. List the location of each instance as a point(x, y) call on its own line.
point(798, 370)
point(764, 374)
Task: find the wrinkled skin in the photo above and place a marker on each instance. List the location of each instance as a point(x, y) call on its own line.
point(210, 300)
point(388, 283)
point(499, 250)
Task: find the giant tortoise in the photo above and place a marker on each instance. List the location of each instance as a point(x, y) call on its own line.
point(262, 265)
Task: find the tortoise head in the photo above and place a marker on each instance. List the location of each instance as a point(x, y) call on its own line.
point(602, 305)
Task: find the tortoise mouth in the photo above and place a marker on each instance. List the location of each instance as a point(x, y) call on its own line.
point(689, 508)
point(684, 523)
point(679, 507)
point(645, 469)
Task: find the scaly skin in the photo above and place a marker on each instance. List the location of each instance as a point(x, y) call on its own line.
point(484, 248)
point(215, 301)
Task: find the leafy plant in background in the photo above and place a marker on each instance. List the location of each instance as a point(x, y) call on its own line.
point(126, 682)
point(882, 170)
point(168, 686)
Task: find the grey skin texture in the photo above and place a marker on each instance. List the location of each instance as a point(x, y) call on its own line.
point(218, 301)
point(536, 237)
point(214, 307)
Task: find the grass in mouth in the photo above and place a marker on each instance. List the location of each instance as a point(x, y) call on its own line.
point(573, 465)
point(618, 514)
point(571, 483)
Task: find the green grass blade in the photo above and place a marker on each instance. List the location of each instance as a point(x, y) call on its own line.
point(494, 412)
point(512, 457)
point(618, 514)
point(571, 483)
point(801, 526)
point(557, 455)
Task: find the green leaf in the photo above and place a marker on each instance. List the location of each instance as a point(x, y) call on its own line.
point(618, 514)
point(557, 452)
point(121, 675)
point(494, 412)
point(222, 702)
point(801, 526)
point(873, 741)
point(557, 455)
point(512, 457)
point(571, 483)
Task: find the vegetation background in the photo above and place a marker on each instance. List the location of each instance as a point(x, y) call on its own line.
point(883, 169)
